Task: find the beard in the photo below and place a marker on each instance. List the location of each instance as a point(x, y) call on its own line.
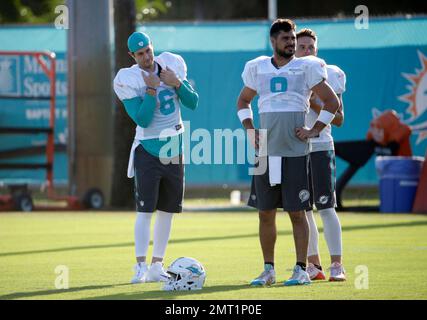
point(146, 64)
point(285, 53)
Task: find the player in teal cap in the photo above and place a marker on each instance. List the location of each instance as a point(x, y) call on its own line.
point(152, 91)
point(141, 49)
point(138, 40)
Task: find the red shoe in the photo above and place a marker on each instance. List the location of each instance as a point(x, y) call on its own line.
point(315, 273)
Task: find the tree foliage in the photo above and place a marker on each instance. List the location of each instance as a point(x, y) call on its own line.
point(43, 11)
point(28, 11)
point(151, 9)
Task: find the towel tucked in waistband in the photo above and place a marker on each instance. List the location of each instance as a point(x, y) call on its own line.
point(275, 170)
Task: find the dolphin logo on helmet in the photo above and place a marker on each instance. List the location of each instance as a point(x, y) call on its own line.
point(185, 274)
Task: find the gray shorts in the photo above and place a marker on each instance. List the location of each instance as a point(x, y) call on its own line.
point(291, 195)
point(322, 179)
point(157, 185)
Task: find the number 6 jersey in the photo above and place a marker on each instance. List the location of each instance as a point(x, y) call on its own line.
point(129, 84)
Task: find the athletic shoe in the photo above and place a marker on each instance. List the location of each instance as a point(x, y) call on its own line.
point(266, 278)
point(140, 270)
point(315, 273)
point(337, 272)
point(299, 277)
point(156, 273)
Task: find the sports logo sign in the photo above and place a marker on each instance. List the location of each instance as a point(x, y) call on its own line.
point(416, 99)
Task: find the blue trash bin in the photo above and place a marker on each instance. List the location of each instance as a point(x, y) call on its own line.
point(399, 178)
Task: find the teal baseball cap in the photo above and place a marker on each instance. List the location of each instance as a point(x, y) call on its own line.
point(138, 40)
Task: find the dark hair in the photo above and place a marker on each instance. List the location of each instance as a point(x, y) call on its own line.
point(285, 25)
point(307, 33)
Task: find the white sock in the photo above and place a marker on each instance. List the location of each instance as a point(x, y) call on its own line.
point(162, 229)
point(332, 231)
point(313, 243)
point(142, 233)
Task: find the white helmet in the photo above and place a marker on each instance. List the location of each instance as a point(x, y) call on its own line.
point(186, 274)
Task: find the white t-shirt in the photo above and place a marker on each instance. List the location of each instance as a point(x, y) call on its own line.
point(286, 89)
point(336, 79)
point(167, 121)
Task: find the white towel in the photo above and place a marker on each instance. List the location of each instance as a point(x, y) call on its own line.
point(275, 170)
point(131, 167)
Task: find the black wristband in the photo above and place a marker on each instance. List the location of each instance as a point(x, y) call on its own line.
point(151, 88)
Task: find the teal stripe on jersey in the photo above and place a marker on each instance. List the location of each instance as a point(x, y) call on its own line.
point(168, 148)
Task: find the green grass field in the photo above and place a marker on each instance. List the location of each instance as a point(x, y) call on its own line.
point(98, 250)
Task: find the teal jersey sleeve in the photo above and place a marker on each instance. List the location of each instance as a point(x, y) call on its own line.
point(141, 111)
point(167, 148)
point(188, 95)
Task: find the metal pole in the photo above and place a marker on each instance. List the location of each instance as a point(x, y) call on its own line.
point(71, 108)
point(272, 10)
point(90, 108)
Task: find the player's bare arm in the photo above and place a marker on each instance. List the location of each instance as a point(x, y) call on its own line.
point(339, 116)
point(314, 105)
point(331, 105)
point(244, 102)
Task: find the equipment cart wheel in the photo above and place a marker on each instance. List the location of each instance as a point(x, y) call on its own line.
point(23, 202)
point(93, 199)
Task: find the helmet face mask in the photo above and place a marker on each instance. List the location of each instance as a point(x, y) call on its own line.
point(186, 274)
point(174, 276)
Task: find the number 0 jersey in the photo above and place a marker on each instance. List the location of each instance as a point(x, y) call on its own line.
point(285, 89)
point(283, 102)
point(166, 122)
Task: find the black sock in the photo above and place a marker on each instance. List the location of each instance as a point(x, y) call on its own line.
point(270, 263)
point(318, 266)
point(302, 265)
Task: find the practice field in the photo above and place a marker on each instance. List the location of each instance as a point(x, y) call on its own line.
point(385, 256)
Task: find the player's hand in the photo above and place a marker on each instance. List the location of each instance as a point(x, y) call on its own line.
point(151, 80)
point(169, 77)
point(253, 135)
point(304, 134)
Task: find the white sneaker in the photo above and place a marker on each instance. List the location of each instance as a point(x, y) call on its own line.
point(266, 278)
point(337, 272)
point(299, 277)
point(140, 270)
point(156, 273)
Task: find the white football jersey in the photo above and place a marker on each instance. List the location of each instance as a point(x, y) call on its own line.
point(167, 121)
point(286, 89)
point(336, 79)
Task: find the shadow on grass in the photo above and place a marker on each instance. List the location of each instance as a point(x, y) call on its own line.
point(159, 294)
point(153, 294)
point(231, 237)
point(20, 295)
point(176, 295)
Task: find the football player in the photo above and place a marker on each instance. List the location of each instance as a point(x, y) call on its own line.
point(322, 170)
point(284, 84)
point(151, 91)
